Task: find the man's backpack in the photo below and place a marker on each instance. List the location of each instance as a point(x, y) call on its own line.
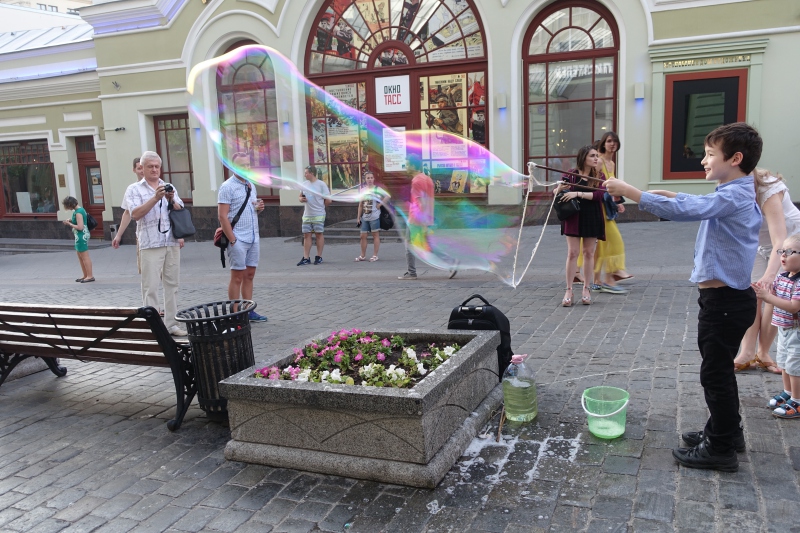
point(485, 317)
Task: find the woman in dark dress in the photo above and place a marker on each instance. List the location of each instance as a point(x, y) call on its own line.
point(588, 223)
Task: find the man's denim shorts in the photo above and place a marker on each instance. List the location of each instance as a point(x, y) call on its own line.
point(243, 254)
point(368, 226)
point(313, 227)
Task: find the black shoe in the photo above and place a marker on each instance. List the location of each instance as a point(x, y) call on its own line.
point(304, 261)
point(701, 456)
point(693, 438)
point(317, 260)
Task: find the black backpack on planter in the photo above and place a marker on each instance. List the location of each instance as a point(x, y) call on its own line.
point(485, 317)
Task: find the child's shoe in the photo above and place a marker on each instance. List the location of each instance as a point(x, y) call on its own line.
point(790, 409)
point(778, 400)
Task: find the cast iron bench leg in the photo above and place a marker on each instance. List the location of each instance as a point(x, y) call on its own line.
point(9, 361)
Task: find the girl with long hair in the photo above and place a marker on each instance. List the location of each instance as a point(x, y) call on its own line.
point(587, 224)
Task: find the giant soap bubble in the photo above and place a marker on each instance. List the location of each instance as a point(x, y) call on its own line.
point(456, 227)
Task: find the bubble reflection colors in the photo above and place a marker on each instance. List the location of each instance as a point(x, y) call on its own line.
point(253, 100)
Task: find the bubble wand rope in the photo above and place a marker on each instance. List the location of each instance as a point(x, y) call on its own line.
point(531, 179)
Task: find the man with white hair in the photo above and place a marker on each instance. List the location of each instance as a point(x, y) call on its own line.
point(149, 202)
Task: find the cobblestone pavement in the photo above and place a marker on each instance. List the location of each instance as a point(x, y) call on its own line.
point(91, 451)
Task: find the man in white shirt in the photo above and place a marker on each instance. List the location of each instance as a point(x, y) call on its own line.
point(243, 240)
point(149, 202)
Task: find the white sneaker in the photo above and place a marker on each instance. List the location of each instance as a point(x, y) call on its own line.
point(177, 331)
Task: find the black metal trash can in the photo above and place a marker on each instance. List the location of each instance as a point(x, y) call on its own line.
point(221, 347)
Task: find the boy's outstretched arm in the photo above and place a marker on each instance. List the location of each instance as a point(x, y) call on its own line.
point(620, 188)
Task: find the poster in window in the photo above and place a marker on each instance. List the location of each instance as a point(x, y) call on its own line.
point(450, 176)
point(343, 146)
point(365, 7)
point(468, 22)
point(449, 52)
point(423, 93)
point(344, 39)
point(448, 90)
point(362, 97)
point(345, 93)
point(476, 94)
point(324, 39)
point(477, 125)
point(319, 132)
point(394, 149)
point(478, 175)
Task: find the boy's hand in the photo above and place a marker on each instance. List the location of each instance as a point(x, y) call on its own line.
point(616, 187)
point(761, 289)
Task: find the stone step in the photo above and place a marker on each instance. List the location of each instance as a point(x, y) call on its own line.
point(38, 246)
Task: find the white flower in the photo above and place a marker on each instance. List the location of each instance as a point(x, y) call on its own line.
point(304, 375)
point(324, 375)
point(439, 357)
point(449, 350)
point(336, 375)
point(411, 354)
point(395, 374)
point(421, 369)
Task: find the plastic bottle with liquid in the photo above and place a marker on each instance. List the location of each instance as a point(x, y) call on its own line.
point(519, 391)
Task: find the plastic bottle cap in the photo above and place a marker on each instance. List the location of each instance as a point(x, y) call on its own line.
point(517, 359)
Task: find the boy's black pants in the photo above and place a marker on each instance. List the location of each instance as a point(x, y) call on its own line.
point(725, 314)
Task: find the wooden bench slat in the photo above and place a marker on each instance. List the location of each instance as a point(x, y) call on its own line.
point(85, 332)
point(71, 310)
point(72, 320)
point(122, 357)
point(77, 343)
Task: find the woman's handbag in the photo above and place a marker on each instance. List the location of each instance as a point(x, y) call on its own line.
point(386, 220)
point(611, 206)
point(181, 220)
point(565, 210)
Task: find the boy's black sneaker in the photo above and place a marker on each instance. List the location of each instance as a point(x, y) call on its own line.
point(304, 261)
point(693, 438)
point(317, 260)
point(702, 456)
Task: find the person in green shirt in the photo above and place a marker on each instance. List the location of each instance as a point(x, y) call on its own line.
point(81, 231)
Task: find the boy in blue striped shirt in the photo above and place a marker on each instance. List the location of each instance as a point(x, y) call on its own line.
point(725, 250)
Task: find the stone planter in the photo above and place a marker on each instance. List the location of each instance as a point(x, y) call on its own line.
point(403, 436)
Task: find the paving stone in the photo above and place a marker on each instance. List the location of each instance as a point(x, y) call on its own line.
point(337, 518)
point(568, 519)
point(738, 496)
point(80, 508)
point(654, 506)
point(275, 511)
point(621, 465)
point(649, 526)
point(659, 459)
point(256, 497)
point(739, 520)
point(325, 492)
point(230, 519)
point(146, 507)
point(85, 524)
point(655, 481)
point(224, 496)
point(450, 520)
point(299, 487)
point(30, 519)
point(311, 511)
point(598, 525)
point(694, 515)
point(196, 519)
point(612, 507)
point(616, 485)
point(116, 505)
point(162, 520)
point(118, 525)
point(492, 518)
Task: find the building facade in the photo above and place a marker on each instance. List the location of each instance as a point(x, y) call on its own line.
point(530, 80)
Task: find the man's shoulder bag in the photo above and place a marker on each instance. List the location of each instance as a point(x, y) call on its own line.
point(181, 220)
point(220, 239)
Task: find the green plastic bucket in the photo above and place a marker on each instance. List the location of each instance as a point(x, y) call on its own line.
point(606, 408)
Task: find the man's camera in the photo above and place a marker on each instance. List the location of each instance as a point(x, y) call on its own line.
point(168, 187)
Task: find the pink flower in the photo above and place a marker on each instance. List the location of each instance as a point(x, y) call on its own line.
point(386, 343)
point(425, 354)
point(315, 345)
point(365, 340)
point(359, 356)
point(356, 331)
point(381, 356)
point(344, 335)
point(274, 373)
point(338, 357)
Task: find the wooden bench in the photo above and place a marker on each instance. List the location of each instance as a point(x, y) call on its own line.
point(131, 336)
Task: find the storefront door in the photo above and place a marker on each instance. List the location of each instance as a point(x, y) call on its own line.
point(91, 179)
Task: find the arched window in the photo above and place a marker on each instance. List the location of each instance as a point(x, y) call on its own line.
point(248, 112)
point(432, 52)
point(570, 55)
